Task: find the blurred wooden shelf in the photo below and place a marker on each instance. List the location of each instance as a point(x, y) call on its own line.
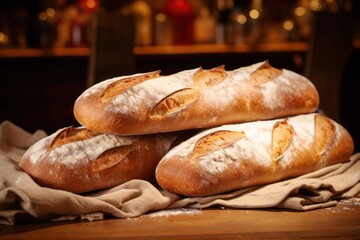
point(158, 50)
point(43, 52)
point(165, 50)
point(221, 48)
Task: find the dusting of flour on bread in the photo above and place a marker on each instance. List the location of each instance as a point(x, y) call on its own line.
point(101, 86)
point(79, 152)
point(153, 90)
point(156, 89)
point(255, 145)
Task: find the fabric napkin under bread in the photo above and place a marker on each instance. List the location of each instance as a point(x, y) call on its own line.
point(22, 200)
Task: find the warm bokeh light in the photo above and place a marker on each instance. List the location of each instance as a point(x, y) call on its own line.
point(50, 12)
point(300, 11)
point(330, 1)
point(43, 16)
point(241, 19)
point(254, 14)
point(89, 5)
point(160, 17)
point(3, 38)
point(315, 5)
point(288, 25)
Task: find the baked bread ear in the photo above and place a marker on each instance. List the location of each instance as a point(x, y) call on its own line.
point(197, 98)
point(80, 160)
point(236, 156)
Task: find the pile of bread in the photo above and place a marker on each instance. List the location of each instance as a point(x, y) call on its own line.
point(198, 132)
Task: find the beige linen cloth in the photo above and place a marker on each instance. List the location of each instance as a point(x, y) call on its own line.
point(22, 200)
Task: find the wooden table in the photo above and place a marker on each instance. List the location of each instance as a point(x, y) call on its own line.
point(340, 222)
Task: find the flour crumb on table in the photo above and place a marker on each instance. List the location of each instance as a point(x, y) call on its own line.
point(177, 211)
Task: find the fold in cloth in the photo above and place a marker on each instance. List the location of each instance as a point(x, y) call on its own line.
point(22, 199)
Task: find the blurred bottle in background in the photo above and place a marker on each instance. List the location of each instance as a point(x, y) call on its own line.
point(204, 26)
point(143, 22)
point(255, 20)
point(46, 25)
point(163, 30)
point(64, 23)
point(4, 28)
point(4, 35)
point(15, 24)
point(79, 28)
point(239, 20)
point(223, 30)
point(181, 15)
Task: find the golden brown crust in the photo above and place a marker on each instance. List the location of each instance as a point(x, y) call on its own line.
point(215, 141)
point(264, 74)
point(324, 133)
point(282, 134)
point(80, 160)
point(173, 103)
point(71, 134)
point(119, 87)
point(196, 98)
point(265, 152)
point(208, 78)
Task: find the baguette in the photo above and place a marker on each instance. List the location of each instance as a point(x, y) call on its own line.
point(232, 157)
point(79, 160)
point(150, 103)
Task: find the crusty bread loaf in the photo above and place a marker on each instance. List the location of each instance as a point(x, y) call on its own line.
point(79, 160)
point(197, 98)
point(235, 156)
